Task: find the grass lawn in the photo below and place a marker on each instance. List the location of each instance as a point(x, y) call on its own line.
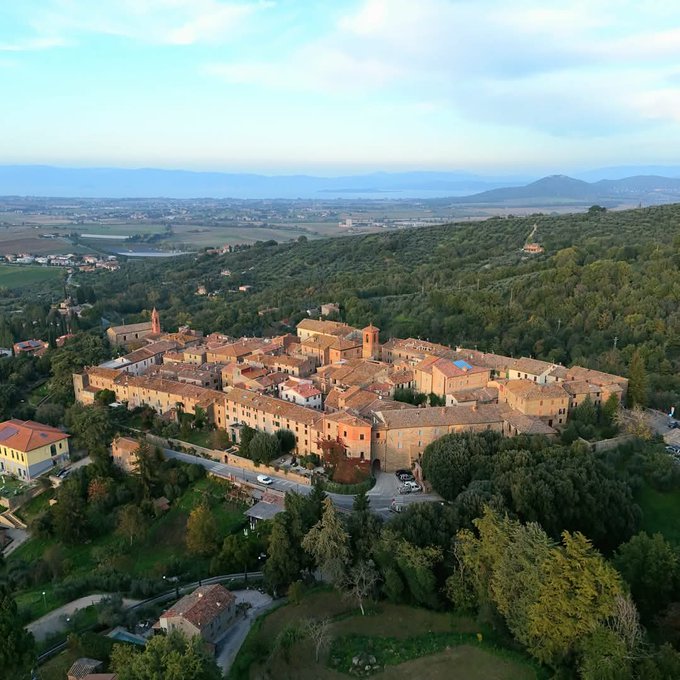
point(15, 276)
point(38, 394)
point(198, 437)
point(35, 506)
point(408, 642)
point(11, 486)
point(660, 512)
point(148, 558)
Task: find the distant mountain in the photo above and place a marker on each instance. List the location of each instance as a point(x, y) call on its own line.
point(560, 189)
point(43, 180)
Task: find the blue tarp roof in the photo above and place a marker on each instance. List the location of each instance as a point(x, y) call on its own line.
point(463, 365)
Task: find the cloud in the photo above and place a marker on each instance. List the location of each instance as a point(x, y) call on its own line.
point(568, 68)
point(32, 44)
point(162, 22)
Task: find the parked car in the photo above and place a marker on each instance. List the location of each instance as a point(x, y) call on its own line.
point(405, 489)
point(673, 449)
point(399, 473)
point(395, 507)
point(414, 486)
point(406, 478)
point(263, 479)
point(674, 424)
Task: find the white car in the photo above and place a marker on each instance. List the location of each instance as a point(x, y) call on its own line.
point(414, 486)
point(263, 479)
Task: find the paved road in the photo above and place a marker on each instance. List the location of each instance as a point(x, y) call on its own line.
point(381, 495)
point(55, 621)
point(229, 645)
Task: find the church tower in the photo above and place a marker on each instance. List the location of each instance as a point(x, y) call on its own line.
point(370, 343)
point(155, 322)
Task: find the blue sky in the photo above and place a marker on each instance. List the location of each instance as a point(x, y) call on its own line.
point(343, 86)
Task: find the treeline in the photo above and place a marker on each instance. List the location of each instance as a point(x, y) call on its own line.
point(608, 284)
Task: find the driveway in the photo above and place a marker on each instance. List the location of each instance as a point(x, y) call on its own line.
point(229, 645)
point(55, 621)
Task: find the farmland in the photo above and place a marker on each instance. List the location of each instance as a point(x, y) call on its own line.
point(18, 276)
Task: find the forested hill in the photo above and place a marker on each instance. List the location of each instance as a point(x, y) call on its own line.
point(608, 283)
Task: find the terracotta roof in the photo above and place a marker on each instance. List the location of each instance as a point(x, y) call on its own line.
point(531, 366)
point(575, 387)
point(451, 369)
point(27, 435)
point(346, 343)
point(131, 328)
point(83, 667)
point(480, 394)
point(329, 327)
point(593, 376)
point(526, 424)
point(319, 342)
point(273, 406)
point(440, 416)
point(497, 362)
point(304, 390)
point(528, 389)
point(202, 606)
point(347, 419)
point(418, 347)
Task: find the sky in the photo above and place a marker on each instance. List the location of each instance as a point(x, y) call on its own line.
point(280, 86)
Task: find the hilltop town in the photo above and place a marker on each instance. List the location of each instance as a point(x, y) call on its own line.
point(333, 382)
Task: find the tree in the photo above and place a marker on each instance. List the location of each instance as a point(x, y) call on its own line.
point(263, 447)
point(319, 632)
point(246, 436)
point(93, 429)
point(147, 464)
point(577, 594)
point(105, 397)
point(287, 441)
point(17, 647)
point(449, 462)
point(50, 414)
point(363, 526)
point(202, 536)
point(132, 524)
point(649, 565)
point(603, 656)
point(360, 583)
point(69, 514)
point(328, 543)
point(166, 657)
point(637, 380)
point(283, 564)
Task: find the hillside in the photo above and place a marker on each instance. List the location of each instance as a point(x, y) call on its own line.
point(606, 284)
point(558, 189)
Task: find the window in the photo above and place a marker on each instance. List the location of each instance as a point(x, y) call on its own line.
point(377, 435)
point(361, 437)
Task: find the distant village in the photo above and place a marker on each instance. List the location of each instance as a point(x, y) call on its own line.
point(83, 263)
point(332, 382)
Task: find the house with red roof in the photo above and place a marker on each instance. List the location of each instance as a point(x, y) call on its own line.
point(207, 612)
point(27, 448)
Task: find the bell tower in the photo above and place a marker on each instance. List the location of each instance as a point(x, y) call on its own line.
point(155, 322)
point(370, 342)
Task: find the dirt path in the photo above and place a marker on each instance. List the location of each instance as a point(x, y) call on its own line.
point(55, 621)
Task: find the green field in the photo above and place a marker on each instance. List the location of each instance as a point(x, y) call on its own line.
point(17, 276)
point(407, 642)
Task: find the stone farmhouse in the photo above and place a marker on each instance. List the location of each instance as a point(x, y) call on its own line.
point(334, 382)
